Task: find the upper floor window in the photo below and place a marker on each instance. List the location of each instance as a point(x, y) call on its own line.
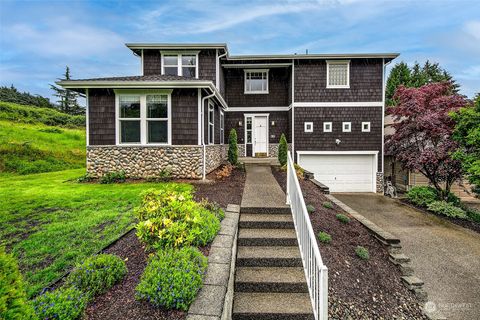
point(211, 125)
point(256, 81)
point(181, 64)
point(338, 74)
point(222, 127)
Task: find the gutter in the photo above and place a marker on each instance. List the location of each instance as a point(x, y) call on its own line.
point(204, 169)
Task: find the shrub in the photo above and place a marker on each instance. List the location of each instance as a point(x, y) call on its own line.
point(472, 214)
point(232, 147)
point(224, 172)
point(173, 219)
point(342, 218)
point(327, 205)
point(282, 150)
point(13, 299)
point(97, 273)
point(422, 195)
point(66, 303)
point(298, 170)
point(447, 209)
point(453, 199)
point(85, 178)
point(362, 253)
point(113, 177)
point(310, 208)
point(324, 237)
point(172, 278)
point(214, 208)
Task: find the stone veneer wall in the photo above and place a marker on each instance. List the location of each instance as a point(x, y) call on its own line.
point(273, 149)
point(241, 150)
point(215, 155)
point(380, 187)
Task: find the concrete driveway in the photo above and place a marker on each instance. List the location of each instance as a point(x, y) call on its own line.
point(445, 256)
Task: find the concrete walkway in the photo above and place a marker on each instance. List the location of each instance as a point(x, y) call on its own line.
point(261, 189)
point(445, 256)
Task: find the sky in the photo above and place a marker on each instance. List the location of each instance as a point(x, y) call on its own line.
point(39, 38)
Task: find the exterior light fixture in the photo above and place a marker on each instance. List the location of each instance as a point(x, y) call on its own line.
point(240, 123)
point(338, 141)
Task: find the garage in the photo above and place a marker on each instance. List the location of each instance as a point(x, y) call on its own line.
point(344, 171)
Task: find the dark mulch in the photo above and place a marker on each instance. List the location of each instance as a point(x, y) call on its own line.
point(358, 289)
point(119, 302)
point(472, 225)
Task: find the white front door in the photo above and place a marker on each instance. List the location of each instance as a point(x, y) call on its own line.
point(260, 136)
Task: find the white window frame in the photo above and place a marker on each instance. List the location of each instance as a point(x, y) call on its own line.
point(179, 60)
point(325, 124)
point(143, 116)
point(330, 62)
point(346, 127)
point(306, 125)
point(222, 127)
point(211, 122)
point(246, 72)
point(367, 123)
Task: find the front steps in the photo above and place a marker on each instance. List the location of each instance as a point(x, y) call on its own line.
point(269, 278)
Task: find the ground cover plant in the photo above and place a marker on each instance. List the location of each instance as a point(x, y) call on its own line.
point(49, 221)
point(66, 303)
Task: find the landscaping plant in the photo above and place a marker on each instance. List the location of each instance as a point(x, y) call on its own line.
point(447, 209)
point(97, 273)
point(342, 218)
point(113, 177)
point(172, 278)
point(13, 299)
point(362, 253)
point(66, 303)
point(327, 205)
point(324, 237)
point(232, 147)
point(282, 150)
point(422, 195)
point(310, 208)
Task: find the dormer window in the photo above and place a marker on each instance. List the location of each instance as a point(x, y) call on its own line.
point(338, 74)
point(180, 64)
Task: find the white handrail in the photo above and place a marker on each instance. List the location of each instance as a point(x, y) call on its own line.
point(316, 273)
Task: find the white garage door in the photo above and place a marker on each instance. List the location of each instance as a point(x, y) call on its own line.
point(342, 173)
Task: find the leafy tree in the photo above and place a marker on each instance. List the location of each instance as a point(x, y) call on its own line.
point(423, 133)
point(282, 150)
point(232, 147)
point(400, 74)
point(67, 98)
point(467, 134)
point(11, 94)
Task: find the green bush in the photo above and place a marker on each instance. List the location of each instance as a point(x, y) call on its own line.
point(86, 178)
point(422, 195)
point(113, 177)
point(472, 214)
point(327, 205)
point(173, 219)
point(342, 218)
point(447, 209)
point(362, 253)
point(324, 237)
point(282, 150)
point(310, 208)
point(97, 273)
point(13, 299)
point(66, 303)
point(172, 278)
point(453, 199)
point(232, 147)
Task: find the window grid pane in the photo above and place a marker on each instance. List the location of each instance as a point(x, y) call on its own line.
point(256, 81)
point(338, 74)
point(157, 106)
point(157, 131)
point(129, 106)
point(170, 60)
point(130, 131)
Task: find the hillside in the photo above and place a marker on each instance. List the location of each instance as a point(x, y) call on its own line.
point(34, 140)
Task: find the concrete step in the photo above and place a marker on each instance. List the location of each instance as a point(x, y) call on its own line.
point(268, 306)
point(267, 237)
point(263, 210)
point(270, 279)
point(267, 221)
point(268, 256)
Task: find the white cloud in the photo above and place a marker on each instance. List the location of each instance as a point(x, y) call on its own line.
point(472, 28)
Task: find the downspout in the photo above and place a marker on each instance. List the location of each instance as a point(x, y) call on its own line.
point(204, 174)
point(217, 80)
point(293, 112)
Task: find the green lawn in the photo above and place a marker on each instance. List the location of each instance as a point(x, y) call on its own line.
point(49, 221)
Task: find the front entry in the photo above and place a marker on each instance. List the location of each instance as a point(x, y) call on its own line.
point(260, 136)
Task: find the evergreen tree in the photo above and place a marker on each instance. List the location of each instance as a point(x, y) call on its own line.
point(399, 75)
point(232, 147)
point(11, 94)
point(67, 98)
point(283, 150)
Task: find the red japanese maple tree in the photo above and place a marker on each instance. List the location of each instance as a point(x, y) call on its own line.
point(423, 133)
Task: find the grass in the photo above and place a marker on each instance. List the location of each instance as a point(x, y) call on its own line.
point(50, 222)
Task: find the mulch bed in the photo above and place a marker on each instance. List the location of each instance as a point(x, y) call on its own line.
point(358, 289)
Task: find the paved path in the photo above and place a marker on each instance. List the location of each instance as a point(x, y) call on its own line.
point(261, 189)
point(445, 256)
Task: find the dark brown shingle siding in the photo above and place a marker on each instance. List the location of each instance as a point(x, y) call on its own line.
point(151, 62)
point(184, 117)
point(207, 65)
point(101, 114)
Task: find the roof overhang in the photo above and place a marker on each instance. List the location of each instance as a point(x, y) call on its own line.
point(137, 47)
point(389, 56)
point(82, 85)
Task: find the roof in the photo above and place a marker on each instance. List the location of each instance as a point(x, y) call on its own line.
point(154, 77)
point(137, 47)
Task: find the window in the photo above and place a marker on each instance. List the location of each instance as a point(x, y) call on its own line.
point(222, 127)
point(347, 127)
point(338, 74)
point(144, 118)
point(256, 81)
point(327, 127)
point(180, 64)
point(211, 127)
point(365, 126)
point(308, 126)
point(248, 129)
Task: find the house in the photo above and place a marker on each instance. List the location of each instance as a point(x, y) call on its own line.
point(176, 115)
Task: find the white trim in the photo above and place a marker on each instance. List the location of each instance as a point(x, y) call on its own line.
point(199, 116)
point(179, 55)
point(383, 113)
point(245, 116)
point(222, 127)
point(141, 63)
point(325, 126)
point(339, 104)
point(374, 164)
point(305, 127)
point(349, 126)
point(292, 105)
point(87, 119)
point(217, 70)
point(369, 127)
point(254, 109)
point(256, 65)
point(245, 72)
point(341, 62)
point(211, 107)
point(253, 115)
